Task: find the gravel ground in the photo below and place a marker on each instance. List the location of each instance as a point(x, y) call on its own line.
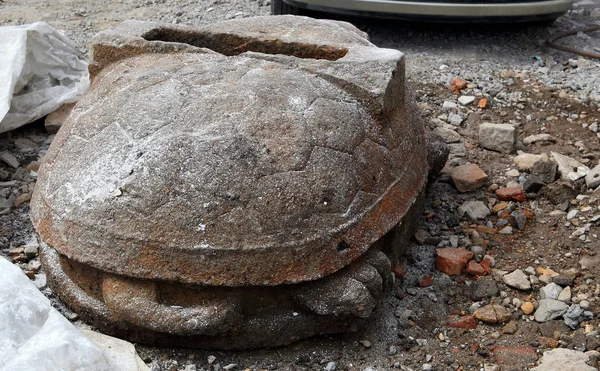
point(536, 89)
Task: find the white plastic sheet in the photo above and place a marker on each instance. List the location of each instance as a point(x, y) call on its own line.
point(39, 71)
point(34, 336)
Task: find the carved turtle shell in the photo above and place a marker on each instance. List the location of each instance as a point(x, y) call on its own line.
point(273, 157)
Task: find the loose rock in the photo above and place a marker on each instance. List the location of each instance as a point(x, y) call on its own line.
point(592, 179)
point(9, 159)
point(467, 178)
point(510, 328)
point(484, 288)
point(565, 295)
point(545, 170)
point(475, 269)
point(517, 280)
point(527, 307)
point(575, 314)
point(549, 309)
point(564, 360)
point(452, 261)
point(511, 194)
point(497, 137)
point(465, 100)
point(569, 168)
point(544, 138)
point(447, 135)
point(526, 161)
point(518, 219)
point(21, 199)
point(474, 210)
point(550, 291)
point(492, 314)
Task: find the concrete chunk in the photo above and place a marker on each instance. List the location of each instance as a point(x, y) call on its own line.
point(497, 137)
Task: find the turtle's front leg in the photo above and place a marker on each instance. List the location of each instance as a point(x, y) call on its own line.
point(354, 290)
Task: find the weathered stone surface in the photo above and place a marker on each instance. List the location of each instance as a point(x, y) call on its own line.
point(452, 261)
point(518, 219)
point(565, 295)
point(467, 178)
point(234, 160)
point(447, 135)
point(549, 309)
point(545, 170)
point(455, 119)
point(550, 291)
point(474, 210)
point(25, 144)
point(517, 280)
point(511, 194)
point(33, 166)
point(525, 161)
point(22, 199)
point(9, 159)
point(493, 313)
point(465, 100)
point(560, 192)
point(484, 288)
point(246, 179)
point(537, 138)
point(592, 179)
point(487, 263)
point(497, 137)
point(533, 184)
point(576, 314)
point(512, 173)
point(510, 328)
point(564, 360)
point(569, 168)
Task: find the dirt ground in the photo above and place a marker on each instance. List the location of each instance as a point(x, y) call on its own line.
point(536, 89)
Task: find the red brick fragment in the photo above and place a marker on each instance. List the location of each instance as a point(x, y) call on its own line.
point(467, 178)
point(426, 281)
point(486, 230)
point(466, 322)
point(475, 269)
point(486, 264)
point(400, 271)
point(458, 84)
point(452, 261)
point(511, 194)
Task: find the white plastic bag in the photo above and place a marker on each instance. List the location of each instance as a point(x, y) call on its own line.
point(39, 71)
point(34, 336)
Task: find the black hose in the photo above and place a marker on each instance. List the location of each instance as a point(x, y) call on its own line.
point(551, 42)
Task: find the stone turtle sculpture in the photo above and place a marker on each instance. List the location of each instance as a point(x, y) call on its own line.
point(243, 184)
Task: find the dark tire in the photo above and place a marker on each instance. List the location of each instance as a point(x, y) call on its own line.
point(278, 7)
